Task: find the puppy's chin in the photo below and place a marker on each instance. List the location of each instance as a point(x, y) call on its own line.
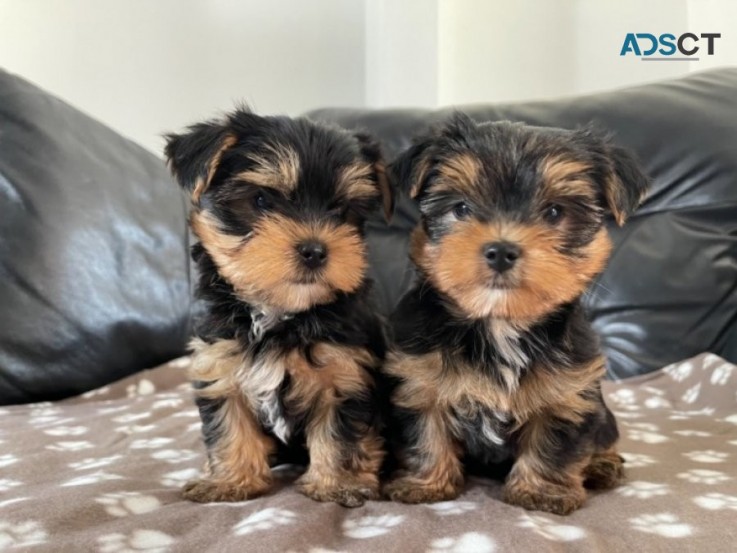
point(291, 297)
point(521, 305)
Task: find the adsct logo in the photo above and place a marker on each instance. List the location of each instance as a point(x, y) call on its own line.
point(667, 47)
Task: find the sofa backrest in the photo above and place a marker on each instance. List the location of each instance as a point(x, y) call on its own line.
point(670, 290)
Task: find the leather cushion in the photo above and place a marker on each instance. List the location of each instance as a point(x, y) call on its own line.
point(93, 251)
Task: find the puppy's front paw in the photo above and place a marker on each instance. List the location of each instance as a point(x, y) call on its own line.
point(553, 498)
point(407, 489)
point(210, 491)
point(348, 493)
point(605, 471)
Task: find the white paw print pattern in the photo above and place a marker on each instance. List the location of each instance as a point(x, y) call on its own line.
point(657, 402)
point(370, 526)
point(663, 524)
point(643, 490)
point(732, 419)
point(178, 478)
point(470, 542)
point(128, 503)
point(707, 456)
point(143, 388)
point(131, 417)
point(95, 462)
point(113, 409)
point(692, 433)
point(66, 431)
point(704, 476)
point(91, 478)
point(167, 402)
point(21, 534)
point(8, 483)
point(657, 399)
point(265, 519)
point(645, 432)
point(550, 529)
point(70, 446)
point(721, 374)
point(692, 394)
point(195, 427)
point(679, 371)
point(685, 415)
point(624, 399)
point(135, 428)
point(43, 410)
point(151, 541)
point(188, 413)
point(7, 459)
point(716, 501)
point(457, 507)
point(151, 443)
point(638, 460)
point(174, 455)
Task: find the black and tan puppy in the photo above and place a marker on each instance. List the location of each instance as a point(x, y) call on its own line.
point(288, 351)
point(495, 359)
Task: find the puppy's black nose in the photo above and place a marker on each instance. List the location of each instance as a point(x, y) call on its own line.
point(501, 256)
point(312, 253)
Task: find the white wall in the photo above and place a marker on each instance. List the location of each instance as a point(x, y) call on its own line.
point(149, 66)
point(507, 51)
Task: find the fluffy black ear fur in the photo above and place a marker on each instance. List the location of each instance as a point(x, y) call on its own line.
point(410, 170)
point(626, 186)
point(619, 175)
point(371, 151)
point(193, 156)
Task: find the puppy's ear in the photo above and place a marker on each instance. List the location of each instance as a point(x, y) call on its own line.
point(625, 185)
point(194, 156)
point(619, 176)
point(371, 151)
point(457, 127)
point(410, 169)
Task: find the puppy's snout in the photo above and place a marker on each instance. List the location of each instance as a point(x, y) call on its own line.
point(312, 253)
point(501, 256)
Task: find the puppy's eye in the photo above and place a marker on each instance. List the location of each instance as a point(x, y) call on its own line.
point(553, 214)
point(461, 210)
point(261, 202)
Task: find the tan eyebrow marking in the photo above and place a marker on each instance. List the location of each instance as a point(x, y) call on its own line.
point(462, 170)
point(279, 170)
point(566, 176)
point(357, 181)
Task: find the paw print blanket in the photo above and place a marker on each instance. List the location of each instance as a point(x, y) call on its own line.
point(102, 472)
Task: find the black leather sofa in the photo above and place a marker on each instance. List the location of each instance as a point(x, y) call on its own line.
point(96, 279)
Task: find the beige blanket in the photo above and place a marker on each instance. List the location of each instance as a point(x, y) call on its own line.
point(102, 472)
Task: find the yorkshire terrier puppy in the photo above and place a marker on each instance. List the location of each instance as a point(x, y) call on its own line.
point(495, 360)
point(289, 349)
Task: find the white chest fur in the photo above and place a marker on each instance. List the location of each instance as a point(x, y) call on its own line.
point(261, 383)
